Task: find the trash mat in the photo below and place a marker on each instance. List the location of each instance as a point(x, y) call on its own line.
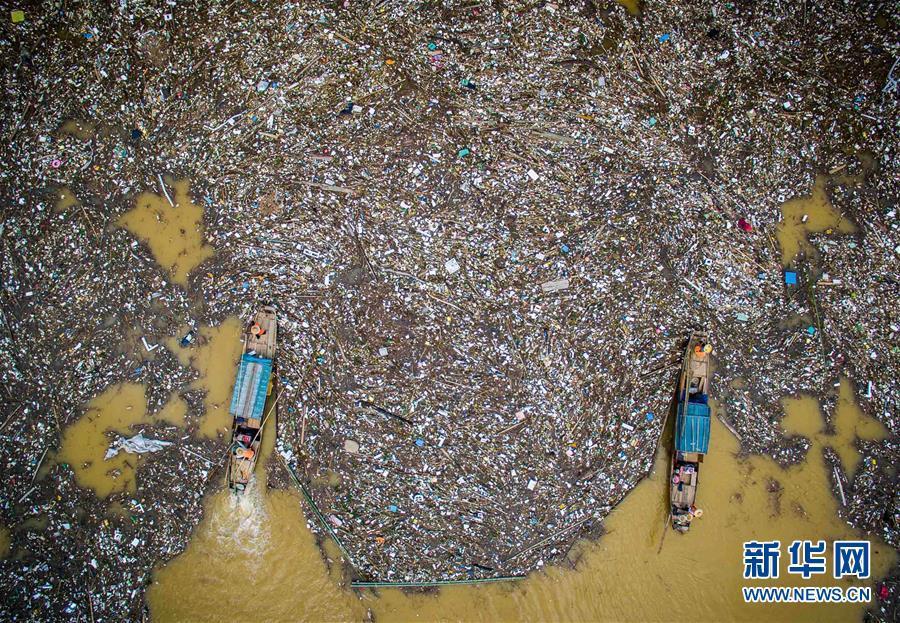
point(488, 229)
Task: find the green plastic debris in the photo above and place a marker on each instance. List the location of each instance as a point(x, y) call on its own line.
point(464, 152)
point(17, 16)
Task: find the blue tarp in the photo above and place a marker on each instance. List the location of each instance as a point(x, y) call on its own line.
point(249, 397)
point(692, 429)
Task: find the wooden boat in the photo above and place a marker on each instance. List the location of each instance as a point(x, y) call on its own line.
point(692, 425)
point(252, 385)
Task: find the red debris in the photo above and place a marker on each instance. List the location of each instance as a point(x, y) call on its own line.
point(744, 225)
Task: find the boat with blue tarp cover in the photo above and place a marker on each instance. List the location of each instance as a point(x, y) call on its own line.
point(252, 386)
point(692, 425)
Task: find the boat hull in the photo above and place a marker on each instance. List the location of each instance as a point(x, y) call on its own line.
point(251, 407)
point(691, 438)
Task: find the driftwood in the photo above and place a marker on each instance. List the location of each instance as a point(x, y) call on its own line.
point(373, 407)
point(165, 192)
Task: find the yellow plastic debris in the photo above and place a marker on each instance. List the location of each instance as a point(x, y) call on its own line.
point(17, 16)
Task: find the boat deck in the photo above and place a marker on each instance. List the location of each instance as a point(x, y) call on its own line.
point(250, 399)
point(685, 492)
point(691, 431)
point(263, 342)
point(699, 369)
point(242, 469)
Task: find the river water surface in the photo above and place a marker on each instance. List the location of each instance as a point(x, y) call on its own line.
point(254, 558)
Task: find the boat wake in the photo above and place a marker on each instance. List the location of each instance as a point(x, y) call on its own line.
point(240, 520)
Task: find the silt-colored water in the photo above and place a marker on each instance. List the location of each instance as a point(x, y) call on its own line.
point(4, 542)
point(82, 130)
point(85, 442)
point(65, 199)
point(253, 557)
point(623, 576)
point(173, 233)
point(632, 6)
point(119, 411)
point(214, 355)
point(792, 232)
point(850, 423)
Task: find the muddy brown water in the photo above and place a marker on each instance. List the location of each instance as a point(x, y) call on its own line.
point(850, 423)
point(121, 410)
point(118, 411)
point(82, 130)
point(65, 199)
point(4, 542)
point(808, 215)
point(259, 545)
point(174, 232)
point(815, 214)
point(632, 6)
point(253, 557)
point(214, 357)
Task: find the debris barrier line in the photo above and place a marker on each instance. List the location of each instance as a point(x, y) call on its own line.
point(361, 584)
point(316, 511)
point(488, 228)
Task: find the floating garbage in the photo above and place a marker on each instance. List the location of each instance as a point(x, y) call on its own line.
point(135, 445)
point(505, 273)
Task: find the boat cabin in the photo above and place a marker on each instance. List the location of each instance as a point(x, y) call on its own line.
point(252, 386)
point(692, 426)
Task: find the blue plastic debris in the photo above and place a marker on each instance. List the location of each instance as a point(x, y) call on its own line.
point(650, 417)
point(811, 330)
point(663, 38)
point(188, 338)
point(790, 277)
point(564, 249)
point(420, 442)
point(393, 508)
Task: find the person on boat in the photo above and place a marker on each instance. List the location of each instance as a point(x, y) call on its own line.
point(257, 330)
point(241, 452)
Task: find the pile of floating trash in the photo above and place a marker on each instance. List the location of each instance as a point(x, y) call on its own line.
point(488, 232)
